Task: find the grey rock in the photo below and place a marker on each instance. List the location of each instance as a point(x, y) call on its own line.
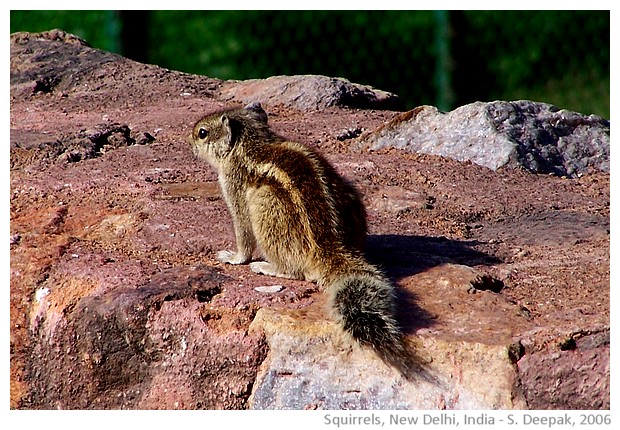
point(536, 136)
point(308, 92)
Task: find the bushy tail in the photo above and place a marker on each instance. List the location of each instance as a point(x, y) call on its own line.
point(365, 303)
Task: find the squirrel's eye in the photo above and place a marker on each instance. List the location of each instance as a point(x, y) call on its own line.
point(202, 133)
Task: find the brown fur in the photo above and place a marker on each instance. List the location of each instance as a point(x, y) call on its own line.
point(308, 221)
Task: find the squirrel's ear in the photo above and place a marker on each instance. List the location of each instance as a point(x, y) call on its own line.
point(231, 129)
point(258, 110)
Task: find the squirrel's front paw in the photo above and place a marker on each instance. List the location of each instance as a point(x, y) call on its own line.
point(231, 257)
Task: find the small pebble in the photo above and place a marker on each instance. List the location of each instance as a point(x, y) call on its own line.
point(271, 289)
point(41, 293)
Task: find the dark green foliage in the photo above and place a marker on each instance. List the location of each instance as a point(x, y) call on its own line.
point(560, 57)
point(98, 28)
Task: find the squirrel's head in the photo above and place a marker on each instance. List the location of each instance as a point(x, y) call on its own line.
point(215, 136)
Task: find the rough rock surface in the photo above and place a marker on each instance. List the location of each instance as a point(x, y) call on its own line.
point(117, 300)
point(537, 136)
point(308, 92)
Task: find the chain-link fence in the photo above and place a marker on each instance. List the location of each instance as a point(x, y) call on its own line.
point(426, 57)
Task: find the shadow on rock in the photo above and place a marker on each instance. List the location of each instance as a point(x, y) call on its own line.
point(401, 256)
point(404, 256)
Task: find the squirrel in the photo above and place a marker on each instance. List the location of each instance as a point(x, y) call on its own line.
point(308, 221)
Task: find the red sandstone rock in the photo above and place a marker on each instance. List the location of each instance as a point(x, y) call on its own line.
point(117, 300)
